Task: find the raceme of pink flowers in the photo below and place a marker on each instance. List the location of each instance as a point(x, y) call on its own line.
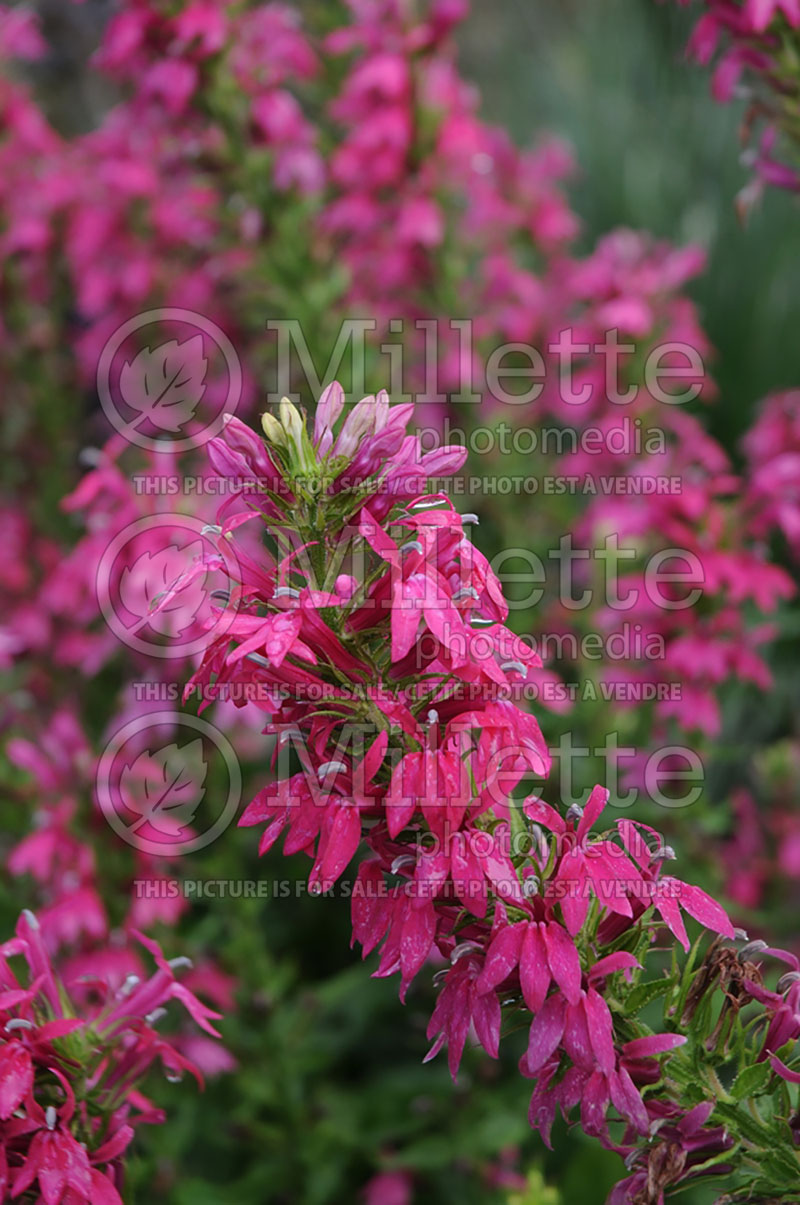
point(395, 688)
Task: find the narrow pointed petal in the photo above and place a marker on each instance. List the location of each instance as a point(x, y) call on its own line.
point(577, 1042)
point(502, 957)
point(534, 971)
point(369, 907)
point(594, 806)
point(16, 1077)
point(563, 960)
point(487, 1018)
point(601, 1030)
point(670, 913)
point(574, 902)
point(547, 1030)
point(627, 1101)
point(653, 1044)
point(341, 836)
point(780, 1068)
point(416, 940)
point(594, 1104)
point(703, 908)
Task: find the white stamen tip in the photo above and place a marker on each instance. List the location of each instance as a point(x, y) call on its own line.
point(31, 919)
point(211, 529)
point(50, 1117)
point(286, 592)
point(289, 734)
point(178, 964)
point(131, 982)
point(337, 767)
point(466, 947)
point(752, 947)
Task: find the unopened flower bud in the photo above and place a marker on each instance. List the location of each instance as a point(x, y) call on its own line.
point(273, 430)
point(292, 421)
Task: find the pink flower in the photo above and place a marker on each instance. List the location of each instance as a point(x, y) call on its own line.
point(20, 36)
point(761, 12)
point(16, 1076)
point(389, 1188)
point(59, 1163)
point(115, 1043)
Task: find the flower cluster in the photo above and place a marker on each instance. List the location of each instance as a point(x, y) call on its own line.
point(191, 182)
point(727, 1105)
point(244, 155)
point(373, 631)
point(755, 44)
point(706, 534)
point(772, 448)
point(72, 1059)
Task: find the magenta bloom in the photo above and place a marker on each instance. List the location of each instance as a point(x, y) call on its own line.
point(98, 1093)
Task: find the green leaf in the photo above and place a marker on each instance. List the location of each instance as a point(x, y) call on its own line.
point(751, 1081)
point(784, 1166)
point(644, 993)
point(741, 1122)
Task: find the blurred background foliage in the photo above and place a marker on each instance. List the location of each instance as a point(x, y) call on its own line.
point(654, 152)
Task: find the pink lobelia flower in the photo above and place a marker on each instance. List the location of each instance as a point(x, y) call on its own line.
point(110, 1047)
